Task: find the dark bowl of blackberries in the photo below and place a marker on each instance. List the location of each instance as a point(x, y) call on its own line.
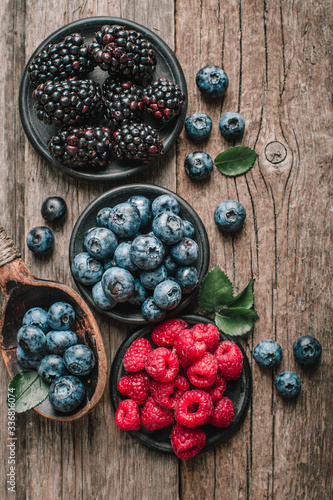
point(138, 253)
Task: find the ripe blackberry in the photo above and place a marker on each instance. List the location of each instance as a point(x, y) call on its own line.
point(163, 100)
point(123, 52)
point(82, 146)
point(67, 102)
point(59, 61)
point(123, 101)
point(137, 141)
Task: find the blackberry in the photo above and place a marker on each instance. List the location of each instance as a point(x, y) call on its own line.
point(67, 102)
point(163, 99)
point(137, 141)
point(123, 101)
point(59, 61)
point(82, 146)
point(123, 52)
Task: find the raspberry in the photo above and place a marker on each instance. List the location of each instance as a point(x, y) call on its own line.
point(164, 335)
point(154, 417)
point(136, 355)
point(229, 360)
point(207, 333)
point(202, 373)
point(167, 394)
point(162, 364)
point(223, 413)
point(187, 348)
point(216, 390)
point(187, 442)
point(194, 408)
point(128, 416)
point(135, 386)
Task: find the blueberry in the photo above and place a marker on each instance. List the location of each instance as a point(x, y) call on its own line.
point(79, 359)
point(118, 284)
point(288, 384)
point(66, 393)
point(147, 252)
point(103, 217)
point(268, 354)
point(151, 312)
point(27, 360)
point(189, 230)
point(232, 125)
point(143, 204)
point(168, 227)
point(198, 165)
point(167, 294)
point(307, 349)
point(86, 270)
point(31, 339)
point(36, 316)
point(185, 252)
point(212, 81)
point(149, 279)
point(40, 240)
point(139, 295)
point(229, 216)
point(51, 368)
point(61, 316)
point(188, 278)
point(54, 209)
point(198, 126)
point(165, 203)
point(100, 242)
point(122, 256)
point(109, 263)
point(170, 265)
point(124, 220)
point(58, 341)
point(100, 299)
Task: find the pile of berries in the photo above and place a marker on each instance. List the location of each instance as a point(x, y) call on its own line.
point(178, 379)
point(142, 252)
point(46, 344)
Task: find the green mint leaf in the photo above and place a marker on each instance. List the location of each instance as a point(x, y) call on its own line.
point(234, 326)
point(245, 297)
point(238, 312)
point(216, 290)
point(26, 390)
point(235, 161)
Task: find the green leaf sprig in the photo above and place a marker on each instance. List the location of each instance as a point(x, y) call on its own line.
point(235, 161)
point(233, 315)
point(26, 390)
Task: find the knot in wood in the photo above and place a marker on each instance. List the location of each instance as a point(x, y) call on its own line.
point(275, 152)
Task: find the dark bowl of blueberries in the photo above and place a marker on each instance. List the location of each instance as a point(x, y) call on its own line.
point(138, 253)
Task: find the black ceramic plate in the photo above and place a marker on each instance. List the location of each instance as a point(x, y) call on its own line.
point(39, 134)
point(239, 391)
point(127, 312)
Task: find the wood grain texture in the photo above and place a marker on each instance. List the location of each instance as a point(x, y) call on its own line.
point(278, 58)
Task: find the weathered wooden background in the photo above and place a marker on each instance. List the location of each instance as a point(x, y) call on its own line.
point(277, 55)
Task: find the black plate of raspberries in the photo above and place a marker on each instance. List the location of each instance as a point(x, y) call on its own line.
point(180, 387)
point(102, 99)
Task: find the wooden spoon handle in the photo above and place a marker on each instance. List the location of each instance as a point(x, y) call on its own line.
point(8, 251)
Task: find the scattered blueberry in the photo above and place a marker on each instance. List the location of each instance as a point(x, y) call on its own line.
point(51, 368)
point(189, 230)
point(151, 312)
point(170, 265)
point(103, 217)
point(147, 252)
point(40, 240)
point(165, 203)
point(66, 393)
point(58, 341)
point(198, 165)
point(27, 360)
point(79, 359)
point(54, 209)
point(31, 339)
point(100, 242)
point(118, 284)
point(149, 279)
point(36, 316)
point(229, 216)
point(212, 81)
point(188, 278)
point(198, 126)
point(143, 204)
point(124, 220)
point(61, 316)
point(139, 295)
point(122, 256)
point(288, 384)
point(99, 297)
point(268, 354)
point(185, 252)
point(307, 350)
point(86, 270)
point(168, 227)
point(167, 294)
point(232, 125)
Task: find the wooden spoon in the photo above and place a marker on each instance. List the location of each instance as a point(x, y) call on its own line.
point(22, 291)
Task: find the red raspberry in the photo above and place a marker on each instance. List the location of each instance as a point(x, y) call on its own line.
point(153, 416)
point(194, 408)
point(162, 364)
point(207, 333)
point(187, 442)
point(164, 335)
point(187, 348)
point(135, 386)
point(127, 415)
point(216, 390)
point(202, 373)
point(223, 413)
point(229, 360)
point(136, 355)
point(167, 394)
